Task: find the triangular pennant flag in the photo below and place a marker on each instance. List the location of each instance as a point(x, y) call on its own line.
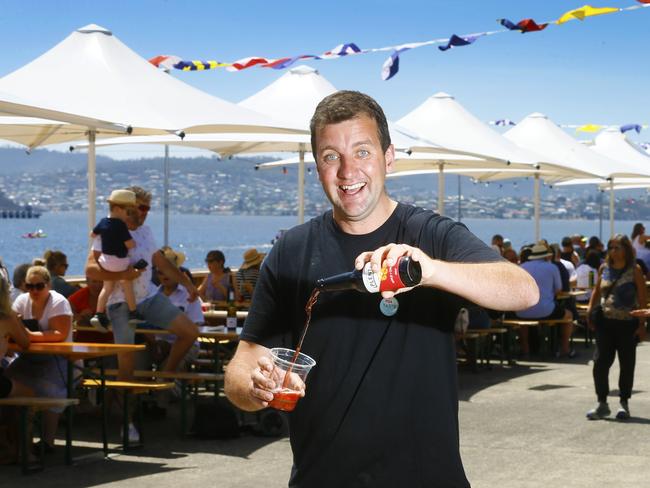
point(589, 128)
point(627, 127)
point(585, 11)
point(455, 41)
point(391, 65)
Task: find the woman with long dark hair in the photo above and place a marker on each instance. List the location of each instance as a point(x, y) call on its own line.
point(620, 289)
point(638, 236)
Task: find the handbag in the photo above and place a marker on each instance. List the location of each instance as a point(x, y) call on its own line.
point(596, 315)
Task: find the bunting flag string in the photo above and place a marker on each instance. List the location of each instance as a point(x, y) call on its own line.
point(591, 128)
point(390, 67)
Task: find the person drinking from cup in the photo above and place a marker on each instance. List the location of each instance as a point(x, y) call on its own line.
point(379, 408)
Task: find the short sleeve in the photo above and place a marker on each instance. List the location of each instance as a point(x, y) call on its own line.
point(20, 305)
point(193, 312)
point(97, 244)
point(60, 305)
point(78, 300)
point(451, 241)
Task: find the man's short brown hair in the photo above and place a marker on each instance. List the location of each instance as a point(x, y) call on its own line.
point(140, 193)
point(346, 105)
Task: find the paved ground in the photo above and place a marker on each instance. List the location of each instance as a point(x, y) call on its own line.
point(521, 426)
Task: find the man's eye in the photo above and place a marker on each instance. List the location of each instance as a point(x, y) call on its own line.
point(330, 158)
point(363, 153)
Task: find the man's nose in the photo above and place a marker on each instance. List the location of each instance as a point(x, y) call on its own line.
point(347, 166)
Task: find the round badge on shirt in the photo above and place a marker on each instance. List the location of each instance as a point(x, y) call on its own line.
point(389, 306)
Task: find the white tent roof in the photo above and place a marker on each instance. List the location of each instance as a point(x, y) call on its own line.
point(440, 118)
point(18, 114)
point(537, 133)
point(293, 97)
point(93, 74)
point(613, 144)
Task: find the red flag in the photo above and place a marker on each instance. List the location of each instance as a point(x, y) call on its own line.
point(529, 25)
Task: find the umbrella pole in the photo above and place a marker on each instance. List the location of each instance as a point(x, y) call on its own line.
point(441, 189)
point(92, 184)
point(536, 205)
point(611, 208)
point(166, 197)
point(459, 204)
point(301, 184)
point(600, 216)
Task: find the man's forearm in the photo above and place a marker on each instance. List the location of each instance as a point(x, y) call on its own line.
point(499, 286)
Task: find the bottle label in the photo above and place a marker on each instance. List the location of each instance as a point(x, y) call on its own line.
point(231, 322)
point(390, 280)
point(386, 280)
point(370, 279)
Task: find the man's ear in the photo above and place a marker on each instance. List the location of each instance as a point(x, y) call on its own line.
point(389, 156)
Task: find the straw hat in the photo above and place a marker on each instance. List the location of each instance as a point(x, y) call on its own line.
point(539, 251)
point(251, 258)
point(122, 197)
point(177, 258)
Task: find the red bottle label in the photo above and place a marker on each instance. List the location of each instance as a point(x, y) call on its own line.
point(389, 279)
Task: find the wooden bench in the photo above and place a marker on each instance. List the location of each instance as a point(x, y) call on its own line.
point(127, 387)
point(35, 404)
point(184, 377)
point(544, 325)
point(481, 345)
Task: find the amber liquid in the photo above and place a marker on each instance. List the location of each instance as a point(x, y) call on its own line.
point(284, 400)
point(310, 304)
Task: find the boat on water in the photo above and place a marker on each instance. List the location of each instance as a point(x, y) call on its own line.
point(34, 235)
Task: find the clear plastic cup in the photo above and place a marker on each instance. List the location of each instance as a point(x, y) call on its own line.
point(289, 377)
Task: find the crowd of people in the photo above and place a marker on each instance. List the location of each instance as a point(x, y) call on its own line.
point(612, 283)
point(129, 282)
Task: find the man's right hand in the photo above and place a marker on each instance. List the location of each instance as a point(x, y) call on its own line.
point(131, 273)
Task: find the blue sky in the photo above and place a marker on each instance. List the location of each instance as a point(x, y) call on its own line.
point(594, 71)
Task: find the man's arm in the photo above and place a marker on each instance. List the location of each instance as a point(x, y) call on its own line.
point(95, 271)
point(498, 286)
point(162, 263)
point(248, 384)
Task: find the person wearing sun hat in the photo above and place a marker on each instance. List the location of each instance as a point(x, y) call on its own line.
point(116, 241)
point(549, 282)
point(248, 273)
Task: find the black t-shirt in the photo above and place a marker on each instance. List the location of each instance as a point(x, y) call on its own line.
point(381, 406)
point(114, 233)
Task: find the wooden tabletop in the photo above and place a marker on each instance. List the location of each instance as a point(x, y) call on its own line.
point(222, 314)
point(569, 294)
point(77, 350)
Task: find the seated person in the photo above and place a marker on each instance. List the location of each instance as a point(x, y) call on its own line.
point(57, 264)
point(18, 279)
point(219, 282)
point(247, 274)
point(179, 297)
point(547, 277)
point(590, 265)
point(10, 328)
point(51, 316)
point(84, 305)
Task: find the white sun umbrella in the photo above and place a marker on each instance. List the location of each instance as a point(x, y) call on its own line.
point(537, 133)
point(615, 145)
point(93, 74)
point(442, 119)
point(293, 98)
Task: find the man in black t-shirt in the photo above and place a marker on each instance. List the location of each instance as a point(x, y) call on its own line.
point(380, 407)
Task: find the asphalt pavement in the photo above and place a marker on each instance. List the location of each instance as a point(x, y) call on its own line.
point(521, 426)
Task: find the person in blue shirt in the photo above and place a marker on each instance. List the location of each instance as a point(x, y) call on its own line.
point(547, 277)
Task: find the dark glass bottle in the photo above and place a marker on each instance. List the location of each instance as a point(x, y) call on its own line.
point(403, 274)
point(231, 314)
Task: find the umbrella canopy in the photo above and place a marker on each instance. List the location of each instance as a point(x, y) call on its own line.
point(538, 133)
point(92, 73)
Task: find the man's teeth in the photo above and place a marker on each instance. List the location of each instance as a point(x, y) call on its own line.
point(356, 186)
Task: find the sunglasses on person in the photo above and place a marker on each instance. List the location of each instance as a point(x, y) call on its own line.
point(144, 208)
point(35, 286)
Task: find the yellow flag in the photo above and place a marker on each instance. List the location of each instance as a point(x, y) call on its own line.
point(586, 11)
point(589, 128)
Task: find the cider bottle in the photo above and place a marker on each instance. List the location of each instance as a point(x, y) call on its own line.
point(403, 274)
point(231, 314)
